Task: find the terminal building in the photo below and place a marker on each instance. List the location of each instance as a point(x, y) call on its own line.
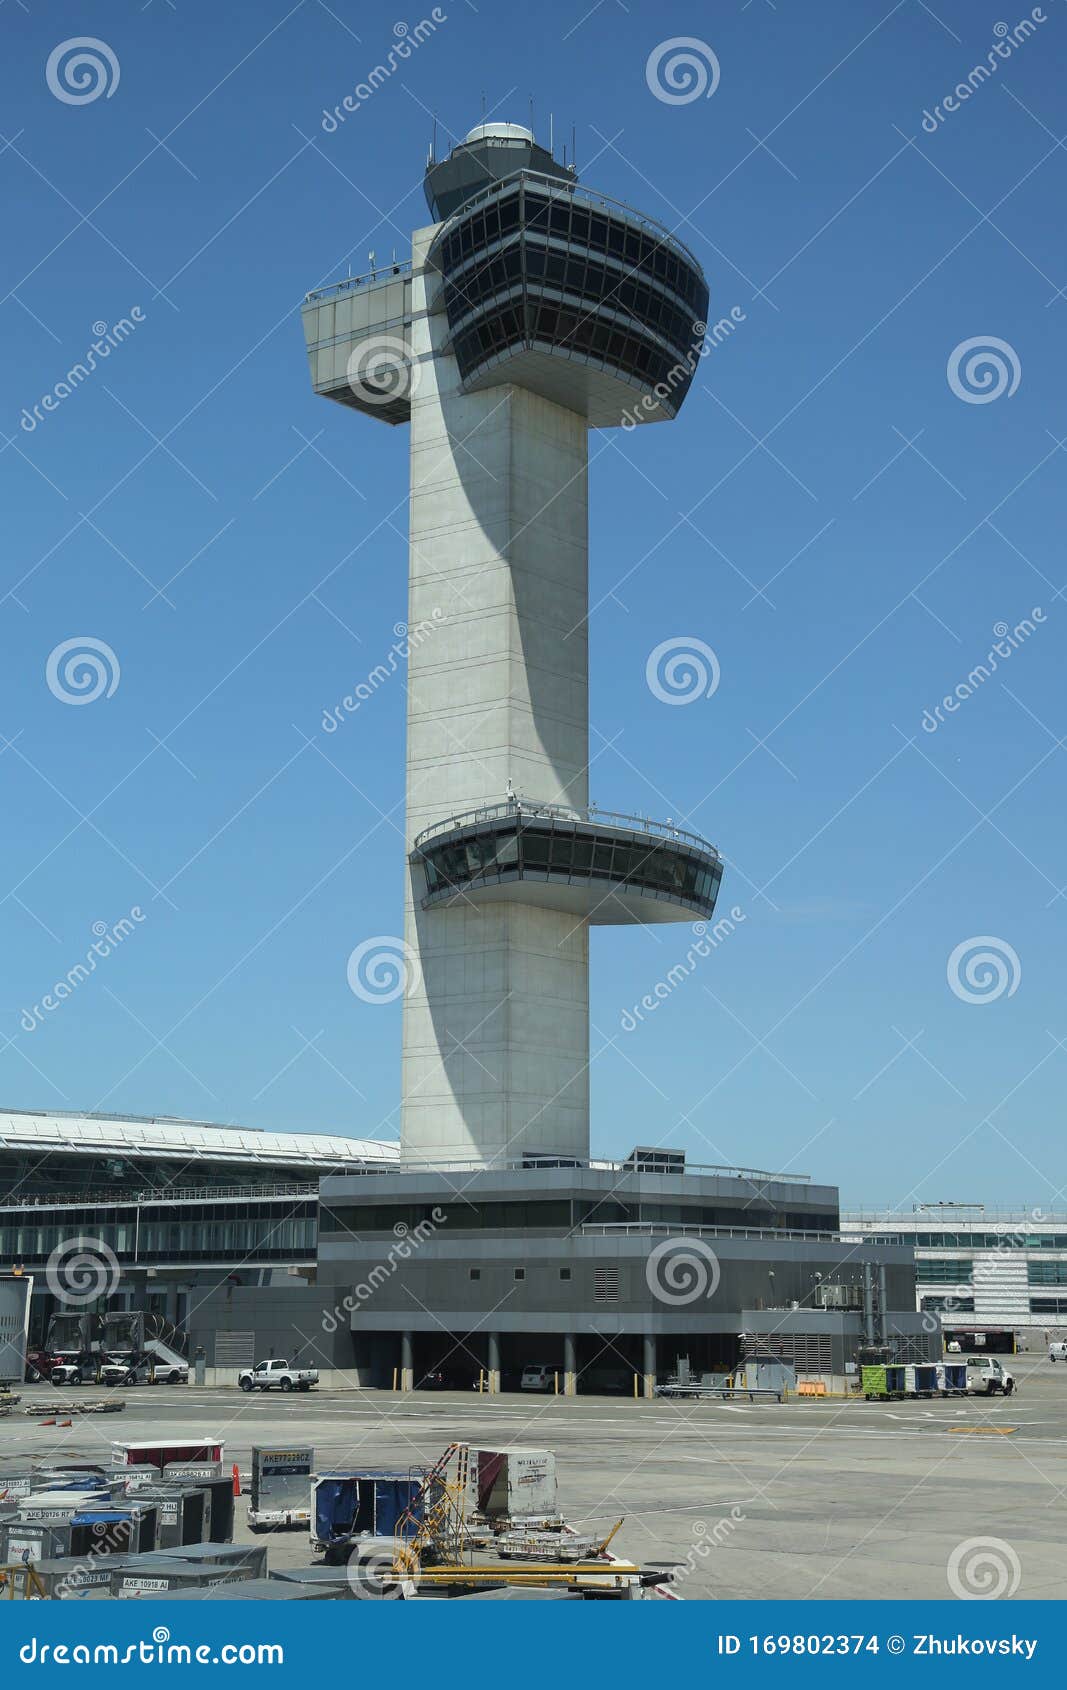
point(176, 1205)
point(532, 309)
point(982, 1271)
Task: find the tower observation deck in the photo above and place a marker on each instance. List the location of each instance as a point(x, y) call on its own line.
point(531, 311)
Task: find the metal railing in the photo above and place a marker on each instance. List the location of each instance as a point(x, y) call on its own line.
point(113, 1198)
point(543, 1163)
point(591, 816)
point(349, 284)
point(683, 1229)
point(659, 231)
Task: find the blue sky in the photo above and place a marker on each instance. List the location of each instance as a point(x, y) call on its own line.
point(829, 515)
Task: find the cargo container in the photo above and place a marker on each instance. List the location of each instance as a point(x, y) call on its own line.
point(251, 1556)
point(140, 1581)
point(159, 1454)
point(180, 1511)
point(115, 1531)
point(280, 1493)
point(514, 1483)
point(352, 1503)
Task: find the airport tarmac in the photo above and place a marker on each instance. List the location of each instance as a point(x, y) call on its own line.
point(804, 1500)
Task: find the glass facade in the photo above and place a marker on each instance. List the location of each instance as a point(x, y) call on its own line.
point(280, 1231)
point(29, 1174)
point(529, 269)
point(561, 1214)
point(1047, 1273)
point(568, 853)
point(934, 1272)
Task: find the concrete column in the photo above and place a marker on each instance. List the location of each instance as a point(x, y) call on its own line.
point(407, 1361)
point(493, 1380)
point(570, 1365)
point(648, 1363)
point(496, 1014)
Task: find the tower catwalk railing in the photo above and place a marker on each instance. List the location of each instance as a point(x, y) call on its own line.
point(591, 815)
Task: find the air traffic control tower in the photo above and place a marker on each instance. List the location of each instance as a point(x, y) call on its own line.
point(532, 310)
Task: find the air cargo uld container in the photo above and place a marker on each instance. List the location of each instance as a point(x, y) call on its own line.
point(25, 1541)
point(179, 1514)
point(514, 1484)
point(351, 1503)
point(281, 1486)
point(58, 1507)
point(115, 1531)
point(70, 1575)
point(208, 1475)
point(159, 1453)
point(251, 1556)
point(258, 1590)
point(145, 1581)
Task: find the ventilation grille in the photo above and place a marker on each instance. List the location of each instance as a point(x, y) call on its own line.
point(606, 1285)
point(235, 1349)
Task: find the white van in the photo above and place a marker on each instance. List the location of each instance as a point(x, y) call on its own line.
point(536, 1378)
point(1057, 1351)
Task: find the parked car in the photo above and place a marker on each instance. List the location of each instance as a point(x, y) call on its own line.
point(286, 1375)
point(1057, 1350)
point(536, 1377)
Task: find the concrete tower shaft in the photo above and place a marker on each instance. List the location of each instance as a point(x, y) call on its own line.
point(496, 1035)
point(531, 311)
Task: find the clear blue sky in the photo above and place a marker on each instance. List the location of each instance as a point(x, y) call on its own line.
point(846, 579)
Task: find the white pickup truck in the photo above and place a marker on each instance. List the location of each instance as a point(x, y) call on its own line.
point(286, 1375)
point(986, 1375)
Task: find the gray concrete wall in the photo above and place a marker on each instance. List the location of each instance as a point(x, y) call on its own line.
point(496, 1025)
